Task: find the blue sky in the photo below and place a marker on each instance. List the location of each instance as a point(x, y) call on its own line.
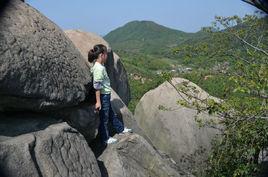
point(103, 16)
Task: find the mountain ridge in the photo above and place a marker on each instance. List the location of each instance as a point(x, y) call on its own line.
point(145, 36)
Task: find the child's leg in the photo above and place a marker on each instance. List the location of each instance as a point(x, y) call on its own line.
point(117, 124)
point(104, 118)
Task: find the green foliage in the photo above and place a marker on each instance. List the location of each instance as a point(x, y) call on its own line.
point(243, 86)
point(229, 60)
point(236, 152)
point(214, 83)
point(225, 46)
point(166, 76)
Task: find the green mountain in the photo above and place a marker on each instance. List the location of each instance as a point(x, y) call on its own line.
point(145, 37)
point(148, 48)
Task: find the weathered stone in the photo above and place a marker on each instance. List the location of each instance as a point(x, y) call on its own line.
point(134, 156)
point(57, 150)
point(173, 129)
point(13, 124)
point(40, 68)
point(84, 119)
point(118, 77)
point(16, 157)
point(85, 41)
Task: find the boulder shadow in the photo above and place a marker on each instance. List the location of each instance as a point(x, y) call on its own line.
point(97, 147)
point(103, 169)
point(17, 123)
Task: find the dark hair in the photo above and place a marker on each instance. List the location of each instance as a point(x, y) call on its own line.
point(94, 53)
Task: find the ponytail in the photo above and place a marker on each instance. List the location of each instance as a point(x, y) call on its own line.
point(94, 53)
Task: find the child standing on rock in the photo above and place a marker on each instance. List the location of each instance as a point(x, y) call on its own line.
point(101, 83)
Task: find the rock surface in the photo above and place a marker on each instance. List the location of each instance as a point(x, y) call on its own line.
point(84, 119)
point(85, 41)
point(40, 68)
point(134, 156)
point(118, 77)
point(42, 71)
point(13, 124)
point(58, 150)
point(174, 129)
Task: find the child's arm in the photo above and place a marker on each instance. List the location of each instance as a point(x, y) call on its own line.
point(98, 102)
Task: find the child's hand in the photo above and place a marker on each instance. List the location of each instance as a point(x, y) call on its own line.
point(97, 107)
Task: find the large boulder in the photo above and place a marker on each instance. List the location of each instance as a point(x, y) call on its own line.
point(134, 156)
point(84, 119)
point(85, 41)
point(40, 68)
point(173, 128)
point(56, 150)
point(13, 124)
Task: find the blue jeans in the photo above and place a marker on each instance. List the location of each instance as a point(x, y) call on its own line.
point(107, 114)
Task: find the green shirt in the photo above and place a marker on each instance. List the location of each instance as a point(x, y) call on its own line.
point(101, 80)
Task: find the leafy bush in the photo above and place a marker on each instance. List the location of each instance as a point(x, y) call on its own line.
point(244, 110)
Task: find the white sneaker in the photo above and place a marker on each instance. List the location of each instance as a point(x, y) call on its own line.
point(127, 130)
point(111, 140)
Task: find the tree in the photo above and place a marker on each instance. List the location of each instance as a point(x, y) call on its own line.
point(243, 111)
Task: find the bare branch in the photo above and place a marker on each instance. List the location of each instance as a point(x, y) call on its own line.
point(254, 47)
point(259, 40)
point(178, 92)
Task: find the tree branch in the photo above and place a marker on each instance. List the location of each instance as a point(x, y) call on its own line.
point(254, 47)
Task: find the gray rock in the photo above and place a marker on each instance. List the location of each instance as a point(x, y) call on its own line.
point(174, 129)
point(134, 156)
point(118, 77)
point(16, 159)
point(14, 124)
point(85, 41)
point(84, 119)
point(58, 150)
point(263, 162)
point(40, 68)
